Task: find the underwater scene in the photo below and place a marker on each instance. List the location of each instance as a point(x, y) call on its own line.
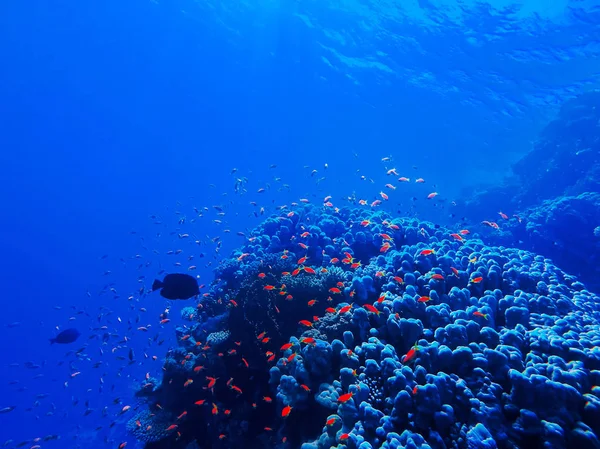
point(288, 224)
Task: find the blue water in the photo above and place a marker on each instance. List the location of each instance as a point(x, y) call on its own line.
point(118, 118)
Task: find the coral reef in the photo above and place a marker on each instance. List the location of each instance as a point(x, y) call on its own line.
point(348, 328)
point(551, 200)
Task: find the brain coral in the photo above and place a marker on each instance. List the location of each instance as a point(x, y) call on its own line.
point(418, 338)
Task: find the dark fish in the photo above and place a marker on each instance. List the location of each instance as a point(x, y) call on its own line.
point(7, 409)
point(177, 286)
point(66, 336)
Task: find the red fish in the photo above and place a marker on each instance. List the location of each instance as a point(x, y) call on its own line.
point(411, 354)
point(477, 280)
point(305, 323)
point(372, 309)
point(345, 398)
point(286, 411)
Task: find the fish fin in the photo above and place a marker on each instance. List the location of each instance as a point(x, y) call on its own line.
point(157, 284)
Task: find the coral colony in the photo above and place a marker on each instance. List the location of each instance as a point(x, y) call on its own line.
point(354, 329)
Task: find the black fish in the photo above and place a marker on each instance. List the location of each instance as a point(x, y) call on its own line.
point(177, 286)
point(66, 336)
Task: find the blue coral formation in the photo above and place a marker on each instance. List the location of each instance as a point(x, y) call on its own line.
point(551, 200)
point(348, 328)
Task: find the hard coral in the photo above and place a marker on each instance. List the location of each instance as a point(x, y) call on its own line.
point(426, 343)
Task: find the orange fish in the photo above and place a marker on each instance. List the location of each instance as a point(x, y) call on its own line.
point(286, 346)
point(172, 427)
point(286, 411)
point(479, 314)
point(305, 323)
point(372, 309)
point(215, 409)
point(269, 287)
point(457, 237)
point(411, 354)
point(200, 402)
point(330, 421)
point(424, 299)
point(301, 260)
point(345, 398)
point(330, 310)
point(432, 195)
point(427, 252)
point(345, 309)
point(464, 232)
point(267, 399)
point(212, 381)
point(335, 290)
point(309, 270)
point(477, 280)
point(292, 357)
point(437, 277)
point(305, 387)
point(261, 275)
point(344, 436)
point(308, 340)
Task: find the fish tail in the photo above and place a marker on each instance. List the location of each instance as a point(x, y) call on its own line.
point(156, 284)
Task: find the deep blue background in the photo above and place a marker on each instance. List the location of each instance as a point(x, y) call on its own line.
point(113, 111)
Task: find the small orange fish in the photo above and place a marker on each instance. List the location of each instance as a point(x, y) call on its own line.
point(261, 275)
point(372, 309)
point(308, 340)
point(427, 252)
point(437, 277)
point(305, 323)
point(479, 314)
point(345, 309)
point(432, 195)
point(200, 402)
point(286, 346)
point(335, 290)
point(410, 354)
point(212, 381)
point(172, 427)
point(345, 398)
point(269, 287)
point(424, 299)
point(305, 387)
point(477, 280)
point(267, 399)
point(309, 270)
point(464, 232)
point(312, 302)
point(330, 421)
point(286, 411)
